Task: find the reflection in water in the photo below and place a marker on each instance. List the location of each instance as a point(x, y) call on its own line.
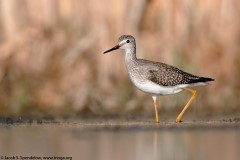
point(104, 144)
point(155, 145)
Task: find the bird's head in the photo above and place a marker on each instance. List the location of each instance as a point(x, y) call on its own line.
point(124, 42)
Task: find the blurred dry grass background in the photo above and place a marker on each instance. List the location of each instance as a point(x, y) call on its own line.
point(51, 58)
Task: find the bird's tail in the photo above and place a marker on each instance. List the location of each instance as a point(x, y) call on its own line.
point(201, 79)
point(205, 79)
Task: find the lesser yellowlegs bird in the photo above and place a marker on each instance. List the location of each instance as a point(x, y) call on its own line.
point(155, 78)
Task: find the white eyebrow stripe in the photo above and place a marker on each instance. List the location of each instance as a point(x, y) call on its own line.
point(122, 42)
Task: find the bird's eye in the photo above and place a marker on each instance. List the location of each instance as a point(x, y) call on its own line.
point(127, 41)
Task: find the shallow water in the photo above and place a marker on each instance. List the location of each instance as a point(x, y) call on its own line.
point(76, 142)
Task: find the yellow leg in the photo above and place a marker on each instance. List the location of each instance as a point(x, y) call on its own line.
point(155, 107)
point(187, 105)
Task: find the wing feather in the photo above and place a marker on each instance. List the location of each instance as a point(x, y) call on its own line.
point(171, 76)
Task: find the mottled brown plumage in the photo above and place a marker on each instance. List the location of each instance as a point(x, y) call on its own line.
point(166, 75)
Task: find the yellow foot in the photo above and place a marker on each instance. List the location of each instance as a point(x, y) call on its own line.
point(178, 120)
point(157, 121)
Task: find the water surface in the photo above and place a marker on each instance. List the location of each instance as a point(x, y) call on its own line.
point(117, 142)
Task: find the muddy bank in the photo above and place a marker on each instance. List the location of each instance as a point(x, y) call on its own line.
point(116, 123)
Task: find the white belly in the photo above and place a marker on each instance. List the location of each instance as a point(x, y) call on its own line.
point(155, 89)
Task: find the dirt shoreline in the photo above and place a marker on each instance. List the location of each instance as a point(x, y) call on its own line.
point(125, 123)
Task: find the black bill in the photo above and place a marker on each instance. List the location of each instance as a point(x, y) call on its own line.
point(112, 49)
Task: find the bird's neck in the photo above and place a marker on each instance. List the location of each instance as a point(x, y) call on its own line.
point(130, 55)
point(130, 59)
